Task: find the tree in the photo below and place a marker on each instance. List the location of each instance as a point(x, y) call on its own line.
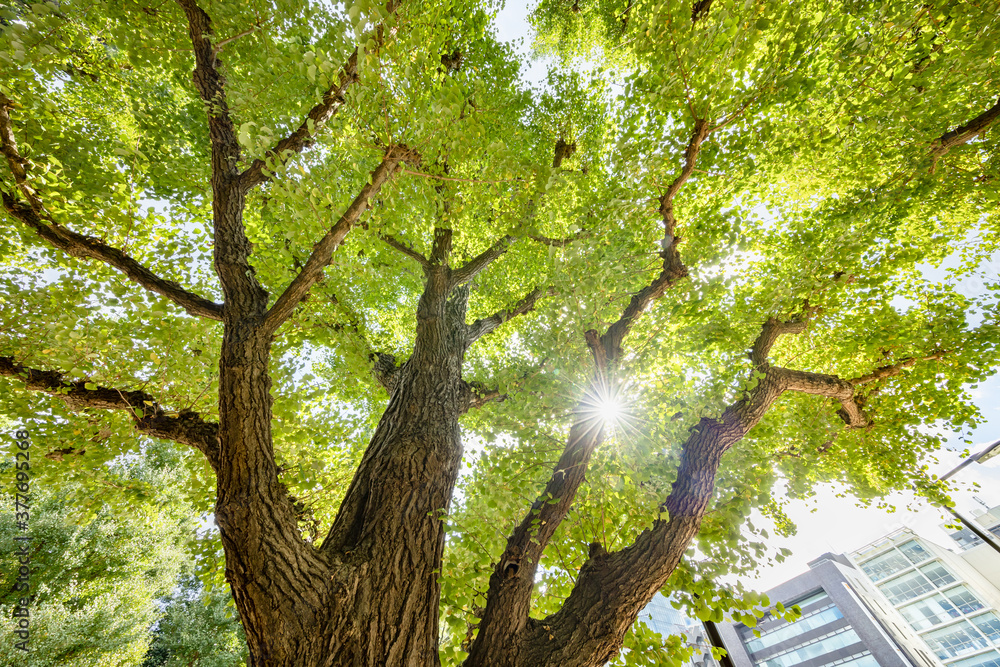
point(94, 580)
point(723, 228)
point(197, 630)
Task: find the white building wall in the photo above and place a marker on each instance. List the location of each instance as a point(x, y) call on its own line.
point(943, 597)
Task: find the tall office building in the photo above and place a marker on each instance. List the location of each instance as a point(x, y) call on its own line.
point(900, 601)
point(661, 617)
point(947, 599)
point(836, 626)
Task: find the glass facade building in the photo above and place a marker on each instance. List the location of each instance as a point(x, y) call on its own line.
point(661, 617)
point(836, 627)
point(822, 637)
point(959, 626)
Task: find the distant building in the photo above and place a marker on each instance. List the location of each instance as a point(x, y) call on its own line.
point(989, 521)
point(661, 617)
point(836, 627)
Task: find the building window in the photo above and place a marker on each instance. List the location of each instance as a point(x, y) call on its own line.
point(906, 587)
point(915, 552)
point(955, 640)
point(806, 623)
point(930, 612)
point(865, 660)
point(886, 565)
point(991, 659)
point(963, 598)
point(989, 625)
point(816, 649)
point(938, 575)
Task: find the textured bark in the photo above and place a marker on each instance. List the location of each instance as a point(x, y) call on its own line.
point(505, 625)
point(964, 133)
point(149, 416)
point(369, 595)
point(612, 588)
point(390, 523)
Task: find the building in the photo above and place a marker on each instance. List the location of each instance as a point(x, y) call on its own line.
point(988, 521)
point(949, 600)
point(661, 617)
point(836, 628)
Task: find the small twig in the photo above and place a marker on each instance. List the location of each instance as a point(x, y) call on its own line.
point(462, 180)
point(217, 47)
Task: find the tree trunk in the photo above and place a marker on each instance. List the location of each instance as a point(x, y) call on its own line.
point(370, 595)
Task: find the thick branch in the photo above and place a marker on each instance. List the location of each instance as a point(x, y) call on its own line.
point(483, 326)
point(479, 395)
point(244, 296)
point(441, 251)
point(509, 595)
point(149, 417)
point(472, 268)
point(404, 248)
point(508, 599)
point(700, 10)
point(385, 370)
point(78, 245)
point(830, 386)
point(613, 587)
point(211, 86)
point(557, 243)
point(965, 133)
point(33, 215)
point(894, 369)
point(563, 151)
point(701, 132)
point(333, 99)
point(323, 251)
point(769, 334)
point(8, 146)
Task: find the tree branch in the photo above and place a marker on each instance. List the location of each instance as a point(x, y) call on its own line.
point(333, 99)
point(769, 334)
point(558, 243)
point(385, 370)
point(323, 251)
point(78, 245)
point(673, 268)
point(472, 268)
point(609, 593)
point(477, 264)
point(33, 215)
point(563, 150)
point(405, 249)
point(509, 594)
point(479, 395)
point(894, 369)
point(700, 10)
point(485, 325)
point(964, 133)
point(149, 417)
point(244, 296)
point(211, 86)
point(820, 384)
